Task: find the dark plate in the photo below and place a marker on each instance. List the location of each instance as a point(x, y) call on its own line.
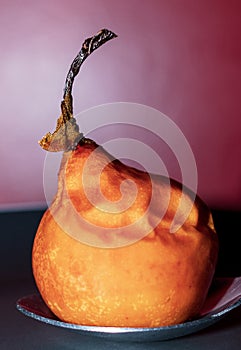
point(224, 296)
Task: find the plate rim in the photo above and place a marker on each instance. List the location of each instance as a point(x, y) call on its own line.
point(204, 320)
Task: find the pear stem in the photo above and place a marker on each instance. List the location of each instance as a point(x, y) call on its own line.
point(89, 45)
point(66, 134)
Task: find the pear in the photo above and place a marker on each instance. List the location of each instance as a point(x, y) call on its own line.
point(119, 246)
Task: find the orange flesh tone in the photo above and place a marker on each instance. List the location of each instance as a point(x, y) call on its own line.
point(160, 280)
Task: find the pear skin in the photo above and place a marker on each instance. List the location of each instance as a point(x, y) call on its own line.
point(119, 246)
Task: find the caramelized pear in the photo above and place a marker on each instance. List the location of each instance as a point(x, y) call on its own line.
point(101, 257)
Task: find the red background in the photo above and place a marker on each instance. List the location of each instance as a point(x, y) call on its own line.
point(181, 57)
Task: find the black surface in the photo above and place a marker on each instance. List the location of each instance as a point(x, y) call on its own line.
point(227, 224)
point(19, 332)
point(17, 233)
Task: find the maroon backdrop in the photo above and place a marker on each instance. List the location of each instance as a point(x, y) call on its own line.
point(181, 57)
